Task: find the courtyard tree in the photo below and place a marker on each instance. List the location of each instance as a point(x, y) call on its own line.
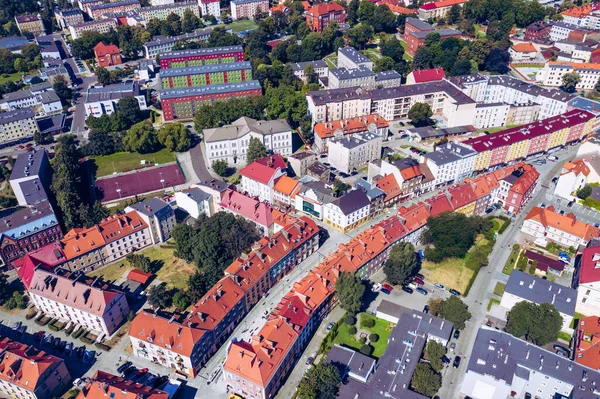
point(454, 310)
point(425, 380)
point(401, 264)
point(419, 114)
point(570, 81)
point(349, 290)
point(320, 382)
point(539, 324)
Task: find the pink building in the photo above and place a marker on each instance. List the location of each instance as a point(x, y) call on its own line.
point(248, 8)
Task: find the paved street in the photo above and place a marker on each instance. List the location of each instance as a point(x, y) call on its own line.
point(199, 165)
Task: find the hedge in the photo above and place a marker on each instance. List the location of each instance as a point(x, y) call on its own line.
point(352, 330)
point(507, 222)
point(69, 330)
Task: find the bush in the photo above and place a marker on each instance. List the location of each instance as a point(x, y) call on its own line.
point(507, 222)
point(350, 320)
point(362, 340)
point(86, 340)
point(69, 330)
point(352, 330)
point(373, 338)
point(366, 350)
point(31, 313)
point(367, 322)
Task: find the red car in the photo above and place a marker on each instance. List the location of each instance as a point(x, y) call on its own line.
point(386, 289)
point(418, 281)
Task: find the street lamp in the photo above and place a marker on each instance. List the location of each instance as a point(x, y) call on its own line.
point(118, 189)
point(162, 180)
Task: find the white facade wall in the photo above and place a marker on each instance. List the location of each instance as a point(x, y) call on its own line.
point(491, 116)
point(192, 207)
point(537, 230)
point(588, 298)
point(234, 151)
point(100, 108)
point(149, 351)
point(127, 244)
point(346, 158)
point(552, 75)
point(257, 189)
point(213, 8)
point(334, 214)
point(339, 110)
point(568, 183)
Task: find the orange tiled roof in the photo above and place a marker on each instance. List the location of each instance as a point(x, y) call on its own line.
point(524, 48)
point(575, 65)
point(278, 8)
point(389, 186)
point(104, 385)
point(439, 204)
point(287, 186)
point(578, 167)
point(118, 226)
point(527, 179)
point(394, 7)
point(461, 195)
point(80, 241)
point(220, 299)
point(580, 11)
point(411, 172)
point(587, 342)
point(324, 9)
point(567, 223)
point(349, 126)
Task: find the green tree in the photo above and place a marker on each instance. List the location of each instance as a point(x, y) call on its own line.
point(141, 138)
point(140, 262)
point(423, 59)
point(479, 51)
point(584, 192)
point(129, 109)
point(462, 67)
point(401, 264)
point(570, 81)
point(190, 22)
point(196, 286)
point(61, 87)
point(66, 180)
point(220, 166)
point(159, 297)
point(349, 291)
point(181, 300)
point(103, 76)
point(539, 324)
point(419, 114)
point(454, 310)
point(454, 14)
point(4, 288)
point(425, 380)
point(360, 35)
point(352, 12)
point(434, 352)
point(384, 64)
point(256, 150)
point(320, 382)
point(392, 48)
point(452, 235)
point(310, 74)
point(175, 137)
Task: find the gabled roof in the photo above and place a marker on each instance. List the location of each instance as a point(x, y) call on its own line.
point(250, 208)
point(214, 306)
point(577, 167)
point(102, 49)
point(80, 241)
point(567, 223)
point(287, 186)
point(366, 123)
point(352, 201)
point(538, 290)
point(389, 186)
point(103, 385)
point(324, 9)
point(524, 48)
point(429, 75)
point(589, 271)
point(587, 342)
point(47, 257)
point(263, 170)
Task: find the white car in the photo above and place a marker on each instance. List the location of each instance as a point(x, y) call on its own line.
point(440, 286)
point(376, 287)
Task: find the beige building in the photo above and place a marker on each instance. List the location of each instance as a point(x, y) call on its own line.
point(521, 114)
point(68, 17)
point(100, 26)
point(73, 297)
point(17, 125)
point(161, 12)
point(337, 104)
point(31, 23)
point(300, 162)
point(353, 152)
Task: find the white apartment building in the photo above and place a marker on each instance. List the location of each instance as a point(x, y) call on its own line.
point(194, 201)
point(210, 7)
point(259, 178)
point(100, 26)
point(158, 215)
point(248, 8)
point(545, 225)
point(155, 3)
point(554, 71)
point(351, 58)
point(72, 297)
point(336, 104)
point(312, 197)
point(320, 67)
point(587, 280)
point(230, 142)
point(161, 12)
point(573, 177)
point(450, 163)
point(103, 100)
point(352, 152)
point(490, 115)
point(348, 211)
point(560, 30)
point(17, 125)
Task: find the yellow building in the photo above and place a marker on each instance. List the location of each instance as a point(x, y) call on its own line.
point(17, 125)
point(558, 137)
point(30, 23)
point(518, 150)
point(482, 160)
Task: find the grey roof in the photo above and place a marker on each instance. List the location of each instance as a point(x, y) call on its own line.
point(564, 25)
point(152, 206)
point(32, 161)
point(355, 140)
point(302, 155)
point(345, 74)
point(352, 201)
point(201, 51)
point(324, 194)
point(112, 92)
point(47, 97)
point(351, 361)
point(114, 5)
point(196, 194)
point(354, 55)
point(168, 6)
point(158, 40)
point(33, 191)
point(318, 168)
point(243, 126)
point(417, 23)
point(371, 190)
point(422, 88)
point(428, 131)
point(212, 89)
point(92, 23)
point(387, 75)
point(464, 80)
point(214, 184)
point(321, 97)
point(540, 291)
point(502, 356)
point(489, 105)
point(17, 95)
point(396, 366)
point(69, 12)
point(516, 84)
point(299, 66)
point(21, 222)
point(450, 152)
point(441, 32)
point(209, 68)
point(16, 115)
point(13, 42)
point(52, 124)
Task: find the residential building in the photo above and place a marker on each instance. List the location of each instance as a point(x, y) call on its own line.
point(538, 31)
point(30, 177)
point(161, 12)
point(587, 333)
point(560, 30)
point(351, 58)
point(230, 142)
point(324, 132)
point(210, 7)
point(27, 229)
point(155, 3)
point(573, 177)
point(204, 75)
point(508, 366)
point(48, 257)
point(104, 384)
point(73, 297)
point(545, 224)
point(351, 153)
point(411, 176)
point(250, 208)
point(490, 115)
point(425, 75)
point(182, 103)
point(418, 30)
point(356, 365)
point(320, 67)
point(27, 372)
point(202, 56)
point(544, 264)
point(321, 15)
point(521, 142)
point(248, 8)
point(429, 133)
point(68, 17)
point(587, 279)
point(516, 189)
point(438, 9)
point(362, 77)
point(348, 211)
point(194, 201)
point(43, 102)
point(312, 197)
point(107, 55)
point(337, 104)
point(522, 52)
point(13, 43)
point(259, 177)
point(17, 125)
point(100, 26)
point(216, 189)
point(320, 172)
point(285, 190)
point(100, 10)
point(300, 161)
point(160, 44)
point(525, 287)
point(102, 100)
point(553, 72)
point(450, 163)
point(31, 23)
point(158, 215)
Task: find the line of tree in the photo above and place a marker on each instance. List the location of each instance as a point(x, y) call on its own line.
point(29, 58)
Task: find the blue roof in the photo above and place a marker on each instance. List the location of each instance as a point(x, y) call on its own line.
point(13, 42)
point(585, 104)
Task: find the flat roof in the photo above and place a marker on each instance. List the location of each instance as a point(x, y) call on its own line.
point(167, 6)
point(209, 68)
point(202, 51)
point(422, 88)
point(212, 89)
point(355, 73)
point(31, 160)
point(299, 66)
point(158, 40)
point(112, 92)
point(321, 97)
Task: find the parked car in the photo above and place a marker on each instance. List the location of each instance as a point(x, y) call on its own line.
point(406, 289)
point(440, 286)
point(422, 291)
point(151, 378)
point(456, 334)
point(418, 280)
point(141, 373)
point(48, 339)
point(309, 361)
point(79, 352)
point(16, 325)
point(77, 382)
point(129, 372)
point(421, 255)
point(452, 346)
point(456, 362)
point(376, 287)
point(123, 367)
point(562, 348)
point(22, 330)
point(387, 289)
point(69, 347)
point(552, 158)
point(426, 309)
point(454, 292)
point(330, 326)
point(445, 359)
point(489, 210)
point(160, 381)
point(62, 346)
point(543, 205)
point(55, 342)
point(419, 275)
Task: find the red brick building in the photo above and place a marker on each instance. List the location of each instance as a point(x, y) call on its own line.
point(517, 188)
point(321, 15)
point(201, 56)
point(107, 55)
point(415, 32)
point(538, 31)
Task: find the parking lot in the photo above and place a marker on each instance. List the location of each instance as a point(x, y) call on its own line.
point(582, 213)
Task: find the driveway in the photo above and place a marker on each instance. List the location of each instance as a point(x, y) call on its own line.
point(198, 163)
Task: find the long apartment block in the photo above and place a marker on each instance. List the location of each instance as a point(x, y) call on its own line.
point(161, 12)
point(204, 75)
point(98, 11)
point(161, 44)
point(202, 56)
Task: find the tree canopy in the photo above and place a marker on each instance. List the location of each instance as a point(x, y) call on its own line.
point(454, 310)
point(175, 137)
point(322, 381)
point(539, 324)
point(434, 352)
point(419, 114)
point(141, 138)
point(425, 380)
point(349, 290)
point(570, 81)
point(401, 264)
point(256, 150)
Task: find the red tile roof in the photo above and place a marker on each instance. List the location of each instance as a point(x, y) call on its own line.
point(587, 342)
point(567, 223)
point(526, 132)
point(47, 257)
point(220, 299)
point(139, 276)
point(526, 180)
point(102, 49)
point(264, 169)
point(250, 208)
point(325, 9)
point(349, 126)
point(524, 48)
point(103, 385)
point(429, 75)
point(589, 272)
point(389, 186)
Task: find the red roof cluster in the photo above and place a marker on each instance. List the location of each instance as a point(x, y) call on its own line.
point(263, 170)
point(429, 75)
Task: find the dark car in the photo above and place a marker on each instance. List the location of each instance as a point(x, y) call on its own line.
point(62, 346)
point(422, 291)
point(527, 395)
point(55, 342)
point(456, 362)
point(68, 347)
point(160, 381)
point(407, 289)
point(129, 372)
point(418, 280)
point(426, 309)
point(79, 352)
point(454, 292)
point(489, 210)
point(456, 334)
point(309, 361)
point(419, 275)
point(140, 374)
point(445, 359)
point(123, 367)
point(16, 325)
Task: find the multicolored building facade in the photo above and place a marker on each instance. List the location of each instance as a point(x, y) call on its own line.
point(206, 75)
point(202, 56)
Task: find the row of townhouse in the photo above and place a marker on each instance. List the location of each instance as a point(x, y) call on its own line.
point(186, 342)
point(161, 44)
point(161, 12)
point(98, 11)
point(100, 26)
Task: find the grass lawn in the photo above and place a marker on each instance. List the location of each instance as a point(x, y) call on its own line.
point(479, 31)
point(331, 60)
point(12, 77)
point(451, 272)
point(510, 263)
point(242, 25)
point(493, 301)
point(564, 336)
point(575, 320)
point(121, 161)
point(174, 271)
point(499, 289)
point(382, 328)
point(372, 53)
